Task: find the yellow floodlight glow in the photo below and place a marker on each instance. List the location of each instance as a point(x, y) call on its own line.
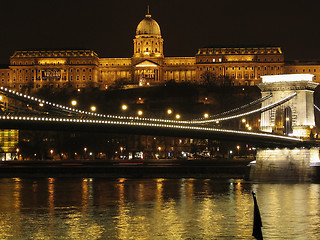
point(287, 78)
point(206, 115)
point(243, 120)
point(93, 108)
point(169, 111)
point(73, 102)
point(146, 64)
point(140, 112)
point(178, 116)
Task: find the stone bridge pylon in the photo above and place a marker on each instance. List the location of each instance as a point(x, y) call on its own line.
point(296, 116)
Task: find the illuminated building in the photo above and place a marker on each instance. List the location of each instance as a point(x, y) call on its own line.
point(147, 66)
point(243, 66)
point(8, 142)
point(310, 67)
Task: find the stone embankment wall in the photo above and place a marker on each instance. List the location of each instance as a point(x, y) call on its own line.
point(285, 164)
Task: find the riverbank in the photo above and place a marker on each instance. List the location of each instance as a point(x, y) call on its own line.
point(221, 168)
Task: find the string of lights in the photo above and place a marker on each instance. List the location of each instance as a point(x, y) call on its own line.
point(316, 107)
point(253, 103)
point(131, 118)
point(263, 109)
point(145, 124)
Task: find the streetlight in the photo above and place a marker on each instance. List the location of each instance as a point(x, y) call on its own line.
point(140, 112)
point(243, 120)
point(178, 116)
point(169, 111)
point(73, 102)
point(206, 115)
point(93, 108)
point(121, 150)
point(124, 107)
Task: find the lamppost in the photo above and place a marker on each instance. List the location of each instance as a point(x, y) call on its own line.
point(85, 152)
point(238, 148)
point(121, 150)
point(159, 149)
point(17, 150)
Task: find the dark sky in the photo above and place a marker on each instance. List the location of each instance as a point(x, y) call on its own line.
point(108, 27)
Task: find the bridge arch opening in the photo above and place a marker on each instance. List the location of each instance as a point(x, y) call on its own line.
point(283, 121)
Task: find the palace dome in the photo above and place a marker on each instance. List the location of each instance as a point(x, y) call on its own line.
point(148, 26)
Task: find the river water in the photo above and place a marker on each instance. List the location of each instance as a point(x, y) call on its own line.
point(98, 208)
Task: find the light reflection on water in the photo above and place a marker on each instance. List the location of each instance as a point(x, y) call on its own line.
point(75, 208)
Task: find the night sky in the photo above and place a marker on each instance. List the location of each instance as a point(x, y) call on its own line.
point(108, 27)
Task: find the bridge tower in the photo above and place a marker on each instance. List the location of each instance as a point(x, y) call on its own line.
point(296, 118)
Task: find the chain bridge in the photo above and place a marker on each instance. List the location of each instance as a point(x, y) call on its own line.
point(287, 122)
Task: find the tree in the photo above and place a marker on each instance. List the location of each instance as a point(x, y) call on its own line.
point(209, 78)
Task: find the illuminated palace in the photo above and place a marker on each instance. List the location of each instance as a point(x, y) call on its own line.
point(147, 66)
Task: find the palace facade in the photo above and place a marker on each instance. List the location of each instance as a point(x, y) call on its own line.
point(147, 66)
